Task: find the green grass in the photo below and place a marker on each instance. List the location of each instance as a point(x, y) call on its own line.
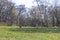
point(26, 33)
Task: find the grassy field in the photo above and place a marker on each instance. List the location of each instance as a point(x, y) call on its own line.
point(15, 33)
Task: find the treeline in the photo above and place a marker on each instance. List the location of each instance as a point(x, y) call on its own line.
point(43, 14)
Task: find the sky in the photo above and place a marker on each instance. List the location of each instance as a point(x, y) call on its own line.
point(28, 3)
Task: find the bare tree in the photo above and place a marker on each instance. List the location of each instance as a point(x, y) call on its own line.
point(21, 9)
point(6, 13)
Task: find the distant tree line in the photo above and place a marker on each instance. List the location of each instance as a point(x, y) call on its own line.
point(42, 15)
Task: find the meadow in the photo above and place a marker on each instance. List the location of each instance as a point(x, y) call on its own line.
point(29, 33)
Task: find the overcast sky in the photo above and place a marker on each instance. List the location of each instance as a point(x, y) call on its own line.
point(28, 3)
